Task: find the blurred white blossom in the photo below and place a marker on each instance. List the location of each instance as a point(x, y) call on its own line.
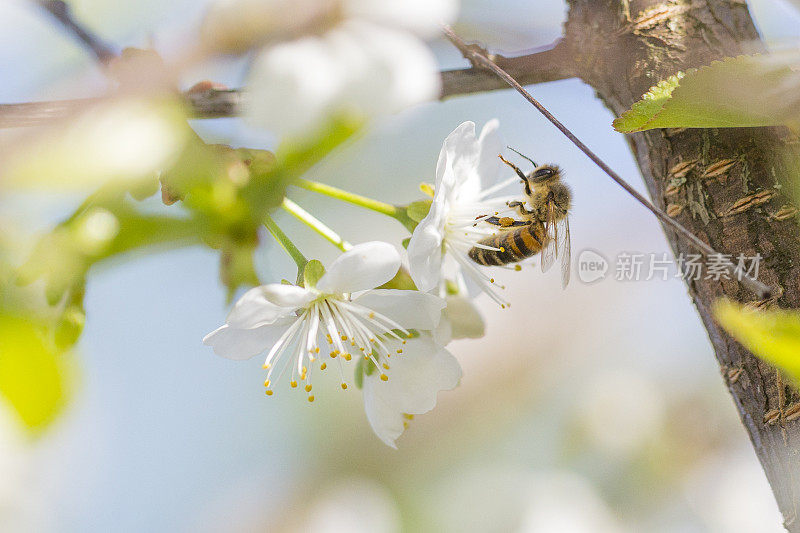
point(466, 178)
point(372, 61)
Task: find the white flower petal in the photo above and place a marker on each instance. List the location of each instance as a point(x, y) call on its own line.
point(290, 296)
point(401, 71)
point(425, 255)
point(265, 304)
point(491, 144)
point(239, 344)
point(460, 320)
point(294, 86)
point(415, 378)
point(410, 309)
point(365, 266)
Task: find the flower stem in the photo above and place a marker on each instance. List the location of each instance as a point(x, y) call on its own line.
point(314, 223)
point(285, 243)
point(398, 213)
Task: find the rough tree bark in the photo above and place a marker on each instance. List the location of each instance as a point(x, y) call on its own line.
point(621, 48)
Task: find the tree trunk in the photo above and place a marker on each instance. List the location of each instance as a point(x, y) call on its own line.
point(621, 49)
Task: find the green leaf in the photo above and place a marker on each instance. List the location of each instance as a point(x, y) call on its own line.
point(649, 106)
point(34, 378)
point(312, 273)
point(418, 210)
point(742, 91)
point(771, 335)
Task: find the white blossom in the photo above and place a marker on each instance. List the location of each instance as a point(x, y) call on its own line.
point(344, 313)
point(460, 320)
point(466, 179)
point(371, 63)
point(424, 369)
point(349, 318)
point(359, 69)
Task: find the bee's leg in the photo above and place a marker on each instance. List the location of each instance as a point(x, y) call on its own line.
point(505, 222)
point(520, 208)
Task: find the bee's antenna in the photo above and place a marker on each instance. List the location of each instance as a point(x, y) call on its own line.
point(522, 155)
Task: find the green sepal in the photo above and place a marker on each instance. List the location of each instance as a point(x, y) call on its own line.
point(418, 210)
point(312, 273)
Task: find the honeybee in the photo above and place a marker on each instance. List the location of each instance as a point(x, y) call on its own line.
point(543, 228)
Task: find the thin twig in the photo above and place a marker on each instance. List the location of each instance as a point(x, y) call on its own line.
point(479, 59)
point(61, 11)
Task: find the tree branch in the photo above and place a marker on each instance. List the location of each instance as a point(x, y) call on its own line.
point(542, 66)
point(548, 64)
point(62, 13)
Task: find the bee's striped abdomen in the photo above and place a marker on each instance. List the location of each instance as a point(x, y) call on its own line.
point(513, 246)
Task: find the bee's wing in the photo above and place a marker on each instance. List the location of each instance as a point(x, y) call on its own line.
point(566, 252)
point(550, 243)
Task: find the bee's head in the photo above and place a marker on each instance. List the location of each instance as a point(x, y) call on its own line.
point(544, 174)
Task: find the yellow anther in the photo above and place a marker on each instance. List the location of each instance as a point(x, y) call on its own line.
point(502, 306)
point(491, 280)
point(312, 358)
point(266, 383)
point(372, 340)
point(344, 386)
point(405, 424)
point(362, 349)
point(347, 357)
point(517, 267)
point(385, 366)
point(399, 350)
point(404, 342)
point(311, 398)
point(372, 314)
point(333, 354)
point(384, 377)
point(502, 250)
point(266, 366)
point(308, 387)
point(344, 337)
point(408, 416)
point(323, 366)
point(305, 370)
point(293, 383)
point(269, 392)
